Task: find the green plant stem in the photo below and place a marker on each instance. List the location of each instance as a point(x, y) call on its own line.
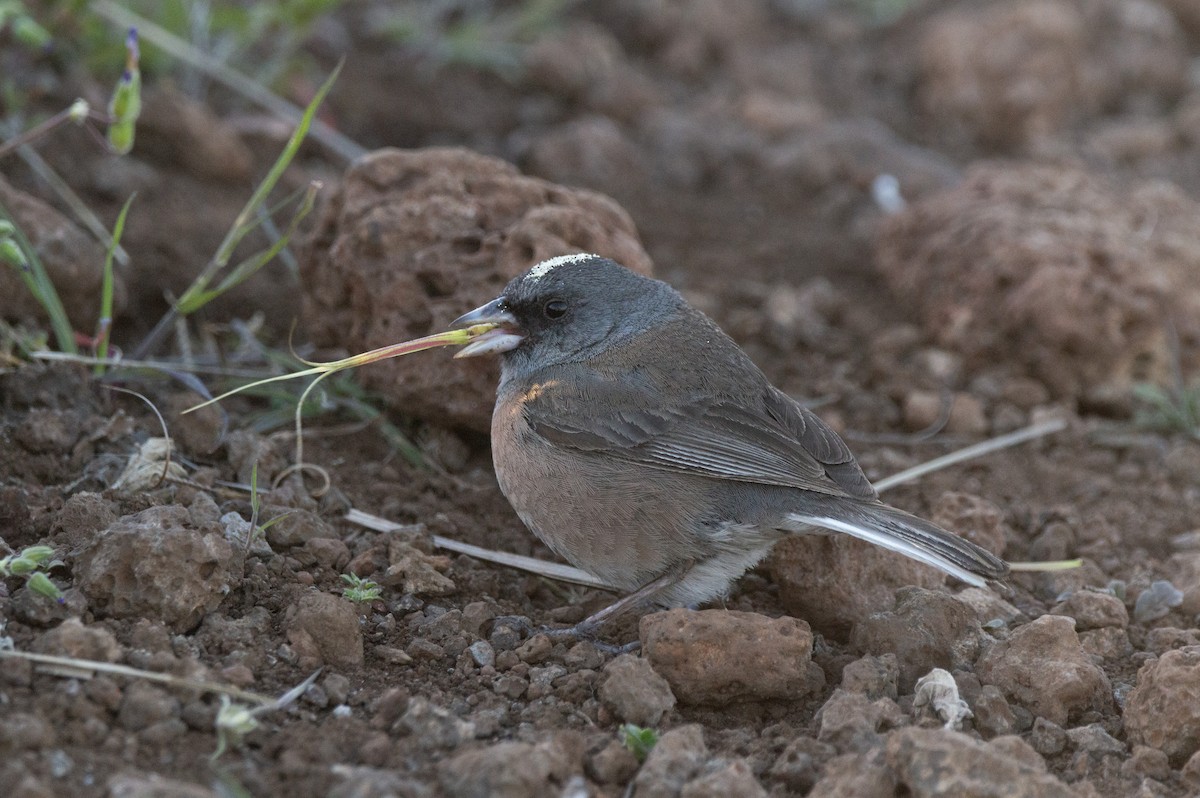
point(41, 287)
point(242, 225)
point(107, 287)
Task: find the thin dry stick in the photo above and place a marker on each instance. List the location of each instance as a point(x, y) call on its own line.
point(84, 668)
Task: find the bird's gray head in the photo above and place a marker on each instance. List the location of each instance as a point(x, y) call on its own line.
point(567, 309)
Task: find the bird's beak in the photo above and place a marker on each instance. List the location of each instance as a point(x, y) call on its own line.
point(506, 336)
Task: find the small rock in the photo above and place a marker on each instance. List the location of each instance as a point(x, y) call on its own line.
point(327, 553)
point(799, 764)
point(874, 677)
point(535, 649)
point(850, 722)
point(1146, 762)
point(1156, 601)
point(674, 760)
point(72, 639)
point(297, 527)
point(1047, 737)
point(332, 625)
point(144, 705)
point(1094, 739)
point(433, 727)
point(732, 778)
point(1163, 711)
point(993, 716)
point(719, 656)
point(1043, 667)
point(634, 693)
point(24, 731)
point(864, 775)
point(156, 564)
point(989, 607)
point(415, 571)
point(1189, 774)
point(612, 764)
point(1093, 610)
point(1110, 642)
point(475, 615)
point(482, 652)
point(513, 770)
point(927, 629)
point(941, 762)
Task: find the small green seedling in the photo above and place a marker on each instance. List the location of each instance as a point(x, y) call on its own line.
point(234, 720)
point(1163, 409)
point(359, 590)
point(32, 563)
point(638, 740)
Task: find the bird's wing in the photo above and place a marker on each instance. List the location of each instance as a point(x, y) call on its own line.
point(773, 441)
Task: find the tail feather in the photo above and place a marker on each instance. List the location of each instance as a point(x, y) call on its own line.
point(911, 536)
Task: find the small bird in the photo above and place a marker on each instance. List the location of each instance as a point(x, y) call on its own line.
point(641, 444)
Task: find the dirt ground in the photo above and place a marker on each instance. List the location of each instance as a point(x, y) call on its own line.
point(938, 228)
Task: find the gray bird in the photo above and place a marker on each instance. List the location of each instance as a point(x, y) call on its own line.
point(640, 443)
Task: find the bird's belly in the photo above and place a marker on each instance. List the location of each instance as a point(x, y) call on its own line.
point(624, 523)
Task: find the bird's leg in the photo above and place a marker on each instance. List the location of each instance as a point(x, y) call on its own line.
point(588, 627)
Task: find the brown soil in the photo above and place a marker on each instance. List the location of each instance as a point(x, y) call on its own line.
point(1041, 262)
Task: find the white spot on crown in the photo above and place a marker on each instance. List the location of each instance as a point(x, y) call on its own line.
point(546, 266)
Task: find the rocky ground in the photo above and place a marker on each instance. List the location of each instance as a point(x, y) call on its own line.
point(967, 219)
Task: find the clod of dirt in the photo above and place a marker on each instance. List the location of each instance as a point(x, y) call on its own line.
point(144, 705)
point(1053, 271)
point(634, 693)
point(864, 775)
point(72, 639)
point(297, 527)
point(73, 260)
point(874, 677)
point(82, 516)
point(718, 657)
point(158, 564)
point(927, 629)
point(944, 762)
point(798, 765)
point(1043, 667)
point(1163, 711)
point(413, 239)
point(1008, 76)
point(676, 757)
point(852, 722)
point(724, 779)
point(1092, 609)
point(325, 629)
point(513, 770)
point(834, 581)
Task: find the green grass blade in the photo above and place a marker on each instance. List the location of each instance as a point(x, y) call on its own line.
point(39, 284)
point(104, 325)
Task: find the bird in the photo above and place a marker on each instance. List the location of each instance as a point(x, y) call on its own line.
point(640, 443)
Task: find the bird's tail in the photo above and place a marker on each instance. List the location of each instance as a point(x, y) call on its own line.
point(909, 535)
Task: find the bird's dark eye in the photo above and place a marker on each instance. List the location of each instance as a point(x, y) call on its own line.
point(555, 309)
